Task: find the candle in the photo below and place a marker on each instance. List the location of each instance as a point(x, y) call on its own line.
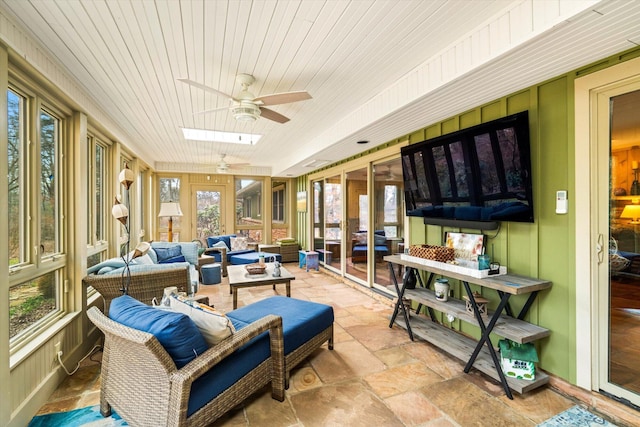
point(634, 164)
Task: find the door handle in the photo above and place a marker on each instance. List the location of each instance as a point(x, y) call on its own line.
point(600, 248)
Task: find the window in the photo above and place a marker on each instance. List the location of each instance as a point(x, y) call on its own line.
point(49, 179)
point(169, 192)
point(35, 197)
point(279, 227)
point(98, 208)
point(16, 177)
point(248, 208)
point(390, 210)
point(278, 204)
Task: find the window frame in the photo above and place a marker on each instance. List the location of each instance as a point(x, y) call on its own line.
point(37, 265)
point(96, 246)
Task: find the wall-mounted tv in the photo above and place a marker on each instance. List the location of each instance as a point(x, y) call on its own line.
point(480, 174)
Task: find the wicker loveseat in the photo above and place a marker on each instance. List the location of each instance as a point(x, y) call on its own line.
point(140, 380)
point(148, 382)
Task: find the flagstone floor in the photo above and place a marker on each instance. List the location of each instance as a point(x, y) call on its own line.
point(375, 376)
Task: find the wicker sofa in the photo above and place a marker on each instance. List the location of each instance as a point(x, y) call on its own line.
point(161, 257)
point(143, 286)
point(200, 389)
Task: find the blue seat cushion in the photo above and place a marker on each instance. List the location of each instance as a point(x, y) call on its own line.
point(252, 257)
point(379, 249)
point(229, 370)
point(176, 332)
point(301, 320)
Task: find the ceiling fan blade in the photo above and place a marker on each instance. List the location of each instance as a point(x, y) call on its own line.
point(213, 110)
point(272, 115)
point(283, 98)
point(207, 88)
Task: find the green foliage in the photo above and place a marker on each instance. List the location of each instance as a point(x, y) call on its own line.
point(30, 305)
point(209, 221)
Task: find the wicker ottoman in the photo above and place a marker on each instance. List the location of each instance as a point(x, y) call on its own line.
point(289, 251)
point(211, 274)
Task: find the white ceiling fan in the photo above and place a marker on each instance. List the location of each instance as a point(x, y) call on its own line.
point(246, 106)
point(224, 167)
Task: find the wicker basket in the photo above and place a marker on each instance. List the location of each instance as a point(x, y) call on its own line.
point(256, 268)
point(435, 253)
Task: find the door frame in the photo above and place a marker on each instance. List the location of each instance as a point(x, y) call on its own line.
point(591, 252)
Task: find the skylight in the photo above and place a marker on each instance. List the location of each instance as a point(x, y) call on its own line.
point(220, 136)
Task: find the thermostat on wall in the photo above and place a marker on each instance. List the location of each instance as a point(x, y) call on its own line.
point(562, 204)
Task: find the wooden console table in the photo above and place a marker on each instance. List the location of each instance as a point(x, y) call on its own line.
point(504, 324)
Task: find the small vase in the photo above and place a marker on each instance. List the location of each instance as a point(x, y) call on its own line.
point(442, 289)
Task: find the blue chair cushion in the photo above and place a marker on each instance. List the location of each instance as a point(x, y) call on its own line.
point(301, 320)
point(229, 370)
point(251, 257)
point(176, 332)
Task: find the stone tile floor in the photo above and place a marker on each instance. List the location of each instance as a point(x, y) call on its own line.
point(375, 376)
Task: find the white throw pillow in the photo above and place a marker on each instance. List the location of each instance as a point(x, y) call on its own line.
point(221, 244)
point(213, 325)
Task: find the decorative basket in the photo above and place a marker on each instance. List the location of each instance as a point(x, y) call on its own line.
point(432, 252)
point(256, 268)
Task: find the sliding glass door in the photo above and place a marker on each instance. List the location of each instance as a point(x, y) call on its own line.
point(388, 217)
point(358, 219)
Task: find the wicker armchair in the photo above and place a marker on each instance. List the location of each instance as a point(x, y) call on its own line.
point(143, 286)
point(141, 382)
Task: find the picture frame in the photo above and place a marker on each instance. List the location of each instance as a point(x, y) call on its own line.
point(301, 201)
point(467, 246)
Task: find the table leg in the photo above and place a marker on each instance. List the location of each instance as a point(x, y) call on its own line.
point(399, 304)
point(288, 284)
point(234, 290)
point(525, 307)
point(485, 338)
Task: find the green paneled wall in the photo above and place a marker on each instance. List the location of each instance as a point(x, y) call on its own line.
point(546, 248)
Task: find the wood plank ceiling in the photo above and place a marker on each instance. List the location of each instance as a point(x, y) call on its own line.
point(376, 70)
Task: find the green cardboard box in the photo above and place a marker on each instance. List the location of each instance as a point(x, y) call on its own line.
point(518, 360)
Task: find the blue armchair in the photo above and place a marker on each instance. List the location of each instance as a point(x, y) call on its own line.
point(225, 239)
point(359, 246)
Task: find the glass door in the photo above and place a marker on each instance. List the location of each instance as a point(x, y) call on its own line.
point(207, 212)
point(332, 217)
point(357, 225)
point(619, 287)
point(388, 215)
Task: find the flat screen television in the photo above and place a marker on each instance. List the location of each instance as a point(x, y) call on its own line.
point(480, 174)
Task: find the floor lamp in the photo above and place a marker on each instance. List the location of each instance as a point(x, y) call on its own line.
point(170, 210)
point(120, 211)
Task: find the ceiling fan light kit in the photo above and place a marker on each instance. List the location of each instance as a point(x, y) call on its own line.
point(245, 112)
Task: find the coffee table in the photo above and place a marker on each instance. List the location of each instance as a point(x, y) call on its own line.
point(240, 278)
